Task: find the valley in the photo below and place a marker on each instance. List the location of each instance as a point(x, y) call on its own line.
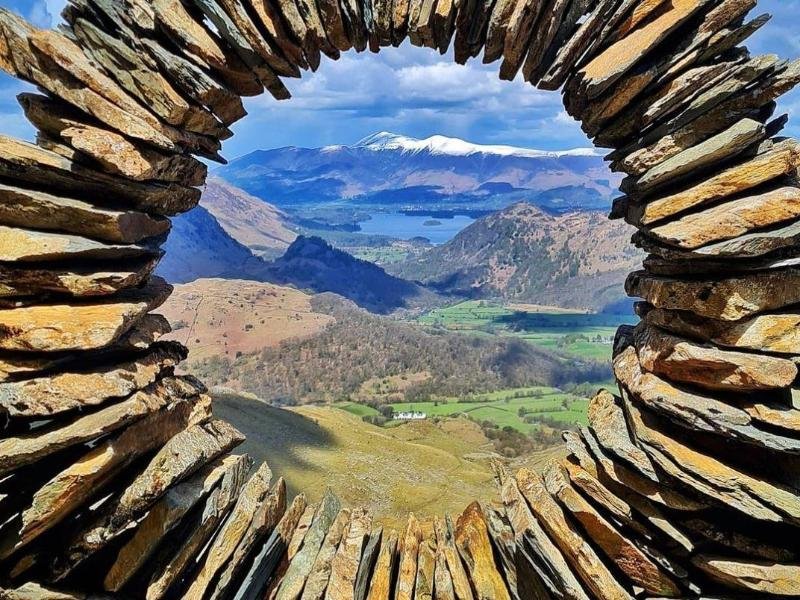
point(322, 292)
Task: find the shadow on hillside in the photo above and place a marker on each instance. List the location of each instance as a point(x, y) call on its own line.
point(274, 435)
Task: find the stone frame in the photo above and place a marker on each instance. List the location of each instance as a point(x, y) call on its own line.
point(684, 484)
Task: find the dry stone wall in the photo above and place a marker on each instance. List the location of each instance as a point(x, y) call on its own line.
point(116, 480)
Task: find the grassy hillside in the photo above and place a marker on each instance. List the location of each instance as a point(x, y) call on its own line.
point(225, 317)
point(418, 468)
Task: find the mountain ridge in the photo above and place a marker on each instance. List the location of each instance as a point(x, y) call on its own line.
point(525, 254)
point(387, 171)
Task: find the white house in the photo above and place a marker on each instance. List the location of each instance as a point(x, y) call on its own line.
point(410, 416)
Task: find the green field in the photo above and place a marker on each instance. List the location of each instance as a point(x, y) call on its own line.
point(503, 407)
point(360, 410)
point(581, 335)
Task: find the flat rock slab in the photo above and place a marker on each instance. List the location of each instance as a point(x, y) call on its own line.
point(408, 553)
point(694, 411)
point(291, 586)
point(446, 544)
point(118, 154)
point(68, 490)
point(714, 479)
point(317, 582)
point(22, 207)
point(611, 64)
point(380, 585)
point(18, 451)
point(707, 366)
point(731, 219)
point(780, 161)
point(760, 577)
point(265, 519)
point(779, 333)
point(726, 299)
point(608, 424)
point(344, 566)
point(426, 564)
point(27, 245)
point(190, 538)
point(67, 327)
point(542, 570)
point(80, 282)
point(36, 166)
point(637, 567)
point(61, 392)
point(722, 146)
point(268, 557)
point(17, 366)
point(164, 517)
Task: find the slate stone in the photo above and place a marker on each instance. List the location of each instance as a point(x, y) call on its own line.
point(380, 586)
point(164, 516)
point(726, 299)
point(265, 519)
point(232, 530)
point(369, 559)
point(317, 582)
point(710, 477)
point(189, 539)
point(694, 411)
point(63, 327)
point(408, 552)
point(117, 154)
point(446, 544)
point(302, 563)
point(580, 555)
point(730, 220)
point(272, 549)
point(24, 162)
point(475, 547)
point(637, 567)
point(346, 562)
point(706, 366)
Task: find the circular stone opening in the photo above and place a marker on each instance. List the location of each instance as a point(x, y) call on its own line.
point(115, 475)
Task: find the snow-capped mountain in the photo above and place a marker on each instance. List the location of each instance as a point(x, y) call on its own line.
point(388, 170)
point(439, 144)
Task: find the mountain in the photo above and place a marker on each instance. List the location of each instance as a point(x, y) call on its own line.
point(574, 260)
point(312, 264)
point(198, 246)
point(260, 226)
point(394, 171)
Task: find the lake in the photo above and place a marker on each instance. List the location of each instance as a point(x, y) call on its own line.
point(437, 229)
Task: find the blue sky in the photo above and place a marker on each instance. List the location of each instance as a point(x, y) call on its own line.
point(413, 91)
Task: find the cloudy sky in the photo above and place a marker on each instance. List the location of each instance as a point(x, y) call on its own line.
point(413, 91)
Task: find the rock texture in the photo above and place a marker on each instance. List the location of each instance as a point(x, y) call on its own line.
point(116, 481)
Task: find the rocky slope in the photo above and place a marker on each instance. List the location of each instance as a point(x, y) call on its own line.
point(575, 260)
point(387, 169)
point(199, 247)
point(260, 226)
